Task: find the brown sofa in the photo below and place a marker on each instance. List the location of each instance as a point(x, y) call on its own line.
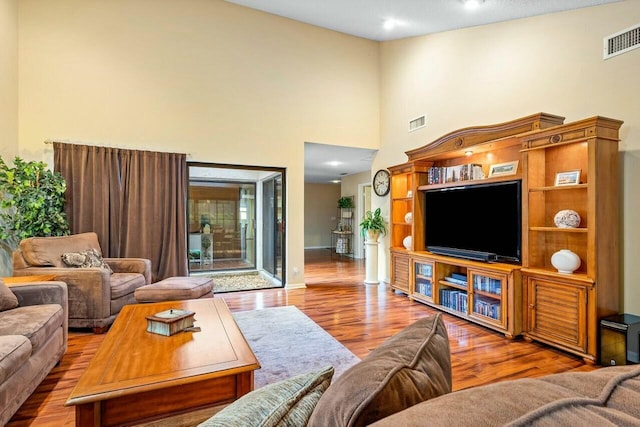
point(407, 382)
point(33, 338)
point(96, 295)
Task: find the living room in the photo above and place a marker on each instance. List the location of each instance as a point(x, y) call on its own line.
point(232, 85)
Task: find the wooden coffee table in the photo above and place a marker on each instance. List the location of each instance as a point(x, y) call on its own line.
point(139, 376)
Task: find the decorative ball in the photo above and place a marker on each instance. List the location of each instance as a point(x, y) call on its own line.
point(407, 242)
point(565, 261)
point(408, 218)
point(567, 219)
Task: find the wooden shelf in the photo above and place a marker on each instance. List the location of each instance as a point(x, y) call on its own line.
point(470, 182)
point(560, 187)
point(560, 230)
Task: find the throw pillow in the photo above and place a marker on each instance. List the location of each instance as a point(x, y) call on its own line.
point(85, 259)
point(8, 300)
point(288, 402)
point(410, 367)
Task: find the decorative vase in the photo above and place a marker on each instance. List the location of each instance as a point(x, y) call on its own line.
point(372, 235)
point(565, 261)
point(567, 218)
point(406, 242)
point(408, 218)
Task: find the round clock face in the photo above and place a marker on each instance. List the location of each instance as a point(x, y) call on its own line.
point(381, 182)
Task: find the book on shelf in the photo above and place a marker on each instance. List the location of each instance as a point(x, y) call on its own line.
point(454, 299)
point(424, 287)
point(487, 308)
point(170, 322)
point(470, 171)
point(451, 279)
point(487, 284)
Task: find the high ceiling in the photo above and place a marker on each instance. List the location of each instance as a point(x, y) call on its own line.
point(367, 18)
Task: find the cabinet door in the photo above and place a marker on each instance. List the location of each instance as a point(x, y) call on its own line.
point(488, 294)
point(556, 313)
point(422, 279)
point(400, 271)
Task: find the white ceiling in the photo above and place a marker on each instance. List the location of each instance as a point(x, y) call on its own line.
point(324, 164)
point(365, 18)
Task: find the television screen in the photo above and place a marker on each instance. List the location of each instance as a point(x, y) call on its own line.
point(480, 217)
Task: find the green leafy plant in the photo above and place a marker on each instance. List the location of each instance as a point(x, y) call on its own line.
point(345, 202)
point(373, 222)
point(32, 202)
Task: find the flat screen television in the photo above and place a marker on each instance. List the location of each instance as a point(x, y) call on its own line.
point(479, 221)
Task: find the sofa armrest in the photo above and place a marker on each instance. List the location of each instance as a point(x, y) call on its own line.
point(37, 293)
point(131, 265)
point(89, 289)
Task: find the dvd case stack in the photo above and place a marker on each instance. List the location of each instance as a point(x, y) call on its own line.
point(487, 308)
point(424, 287)
point(487, 284)
point(454, 299)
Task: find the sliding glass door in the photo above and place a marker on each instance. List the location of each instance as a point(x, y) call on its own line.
point(273, 226)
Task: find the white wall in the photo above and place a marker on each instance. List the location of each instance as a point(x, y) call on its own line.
point(320, 210)
point(224, 83)
point(495, 73)
point(351, 185)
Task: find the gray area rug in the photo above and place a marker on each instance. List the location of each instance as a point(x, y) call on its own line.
point(287, 342)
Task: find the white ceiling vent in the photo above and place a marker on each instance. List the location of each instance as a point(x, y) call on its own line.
point(622, 41)
point(416, 124)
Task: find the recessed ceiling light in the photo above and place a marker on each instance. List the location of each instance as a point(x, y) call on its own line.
point(472, 4)
point(336, 181)
point(334, 163)
point(391, 23)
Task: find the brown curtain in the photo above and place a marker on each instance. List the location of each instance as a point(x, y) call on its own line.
point(134, 200)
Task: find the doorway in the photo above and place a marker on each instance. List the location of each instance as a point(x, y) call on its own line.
point(236, 220)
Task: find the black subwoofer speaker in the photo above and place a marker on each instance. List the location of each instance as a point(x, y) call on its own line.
point(620, 339)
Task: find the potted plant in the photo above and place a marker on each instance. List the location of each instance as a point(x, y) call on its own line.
point(373, 225)
point(32, 202)
point(345, 202)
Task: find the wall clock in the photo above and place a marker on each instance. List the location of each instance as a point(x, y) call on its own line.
point(381, 182)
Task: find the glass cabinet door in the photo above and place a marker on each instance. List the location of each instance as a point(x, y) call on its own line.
point(423, 273)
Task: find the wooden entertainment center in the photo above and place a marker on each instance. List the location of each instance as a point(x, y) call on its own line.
point(530, 297)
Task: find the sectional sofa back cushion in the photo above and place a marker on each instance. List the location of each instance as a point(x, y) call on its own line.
point(8, 300)
point(604, 397)
point(410, 367)
point(48, 251)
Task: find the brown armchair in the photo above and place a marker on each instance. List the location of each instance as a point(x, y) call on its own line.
point(96, 295)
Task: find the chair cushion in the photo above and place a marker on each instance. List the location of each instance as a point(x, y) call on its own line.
point(410, 367)
point(36, 322)
point(85, 259)
point(47, 251)
point(125, 283)
point(8, 300)
point(176, 289)
point(288, 402)
point(15, 351)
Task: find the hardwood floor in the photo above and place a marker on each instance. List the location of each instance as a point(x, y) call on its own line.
point(359, 316)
